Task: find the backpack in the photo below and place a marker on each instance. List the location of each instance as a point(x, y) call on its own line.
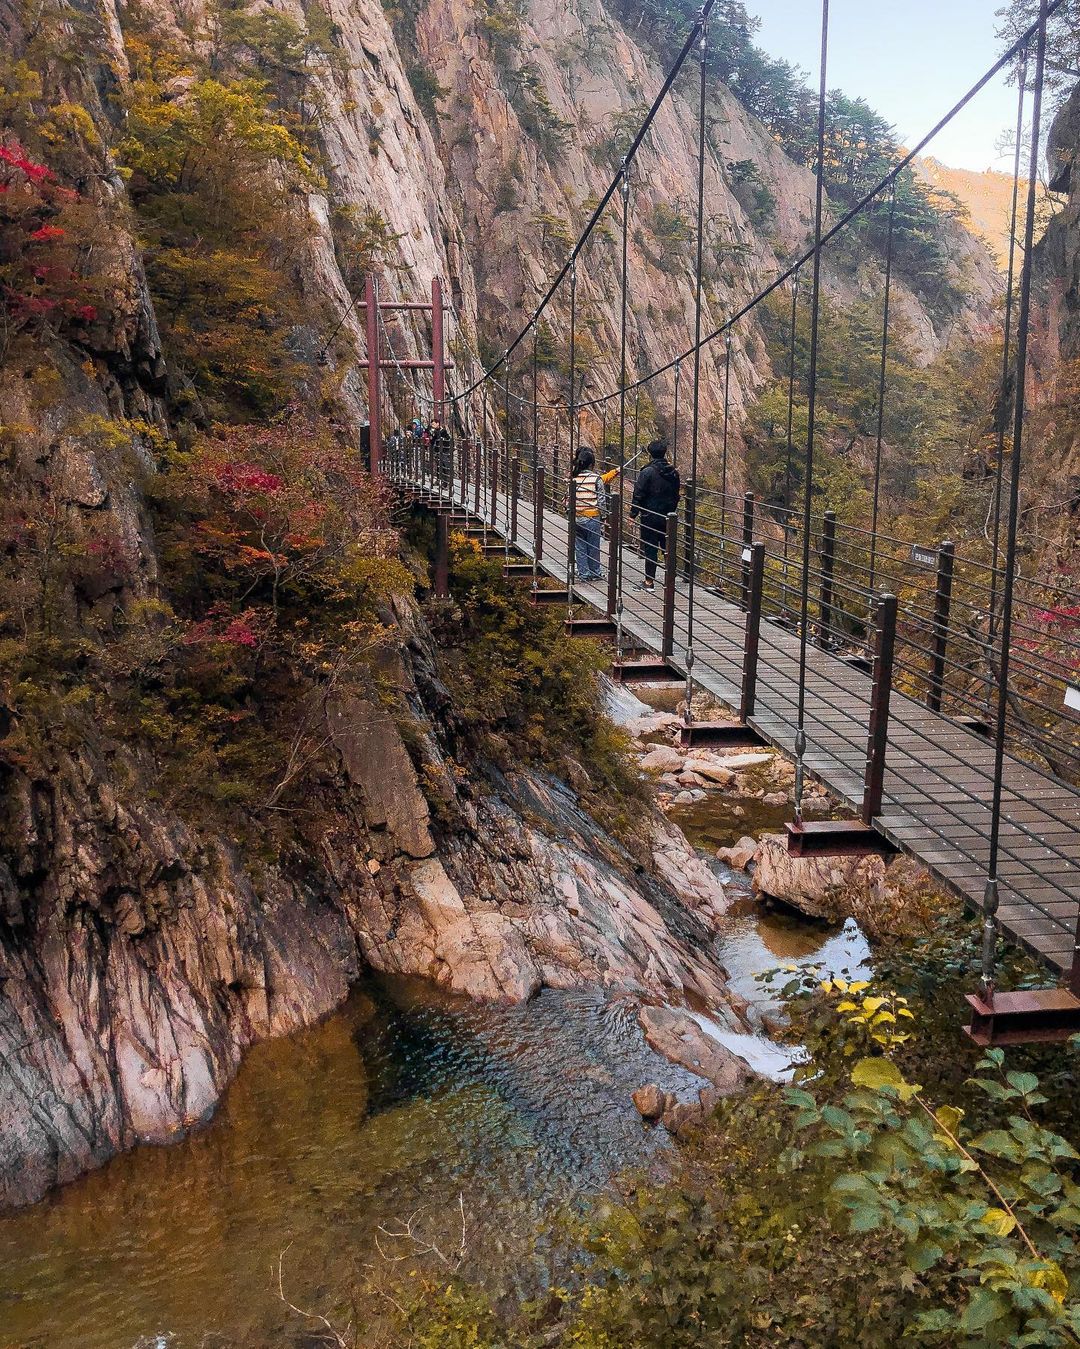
point(602, 501)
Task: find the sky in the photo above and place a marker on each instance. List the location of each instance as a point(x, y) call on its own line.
point(911, 60)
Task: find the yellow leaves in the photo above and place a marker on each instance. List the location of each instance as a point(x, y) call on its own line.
point(877, 1013)
point(1000, 1223)
point(876, 1073)
point(1051, 1278)
point(838, 985)
point(70, 119)
point(948, 1118)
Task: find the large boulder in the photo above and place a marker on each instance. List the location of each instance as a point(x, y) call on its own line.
point(663, 759)
point(821, 887)
point(885, 896)
point(676, 1035)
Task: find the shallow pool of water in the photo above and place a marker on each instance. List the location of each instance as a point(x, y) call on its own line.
point(405, 1103)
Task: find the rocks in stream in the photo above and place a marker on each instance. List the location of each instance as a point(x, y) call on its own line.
point(663, 759)
point(739, 855)
point(650, 1101)
point(678, 1036)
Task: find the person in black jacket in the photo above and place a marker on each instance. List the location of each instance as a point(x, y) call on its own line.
point(442, 450)
point(656, 495)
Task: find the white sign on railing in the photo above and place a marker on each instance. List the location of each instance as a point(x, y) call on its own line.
point(1072, 697)
point(923, 557)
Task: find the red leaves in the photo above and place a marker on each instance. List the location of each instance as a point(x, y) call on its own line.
point(1065, 616)
point(15, 157)
point(239, 478)
point(40, 279)
point(242, 631)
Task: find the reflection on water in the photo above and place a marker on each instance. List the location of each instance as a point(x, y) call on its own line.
point(719, 820)
point(402, 1102)
point(756, 938)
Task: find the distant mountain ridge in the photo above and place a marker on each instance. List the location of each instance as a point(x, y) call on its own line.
point(987, 196)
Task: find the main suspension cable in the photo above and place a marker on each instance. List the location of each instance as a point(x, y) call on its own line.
point(856, 209)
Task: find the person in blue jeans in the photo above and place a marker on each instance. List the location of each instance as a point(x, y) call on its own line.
point(591, 509)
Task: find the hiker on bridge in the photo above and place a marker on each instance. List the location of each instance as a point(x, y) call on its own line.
point(442, 447)
point(591, 510)
point(656, 495)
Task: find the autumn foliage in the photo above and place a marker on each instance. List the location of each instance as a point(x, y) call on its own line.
point(40, 277)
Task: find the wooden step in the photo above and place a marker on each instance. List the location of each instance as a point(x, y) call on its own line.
point(1029, 1016)
point(645, 670)
point(601, 626)
point(836, 838)
point(717, 734)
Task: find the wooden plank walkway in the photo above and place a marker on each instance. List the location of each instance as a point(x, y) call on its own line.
point(939, 776)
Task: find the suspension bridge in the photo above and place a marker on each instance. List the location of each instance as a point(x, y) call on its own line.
point(925, 685)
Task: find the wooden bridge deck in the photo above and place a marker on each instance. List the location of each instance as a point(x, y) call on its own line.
point(939, 776)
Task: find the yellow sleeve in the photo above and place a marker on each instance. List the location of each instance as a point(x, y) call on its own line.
point(611, 473)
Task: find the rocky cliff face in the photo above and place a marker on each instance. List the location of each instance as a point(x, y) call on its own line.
point(1058, 257)
point(525, 110)
point(1053, 439)
point(138, 959)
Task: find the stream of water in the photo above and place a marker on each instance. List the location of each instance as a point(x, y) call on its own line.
point(408, 1103)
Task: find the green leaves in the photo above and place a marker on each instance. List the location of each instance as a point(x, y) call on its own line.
point(878, 1074)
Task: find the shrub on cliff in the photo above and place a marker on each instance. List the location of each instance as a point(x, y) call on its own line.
point(279, 558)
point(526, 692)
point(44, 289)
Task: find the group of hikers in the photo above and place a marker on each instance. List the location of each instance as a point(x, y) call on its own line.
point(655, 496)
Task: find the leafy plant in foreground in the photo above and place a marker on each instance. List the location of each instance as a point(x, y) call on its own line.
point(988, 1220)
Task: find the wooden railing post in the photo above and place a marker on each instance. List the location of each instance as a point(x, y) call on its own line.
point(752, 631)
point(878, 734)
point(671, 545)
point(942, 604)
point(515, 488)
point(1074, 968)
point(538, 512)
point(747, 545)
point(494, 455)
point(442, 557)
point(614, 543)
point(828, 565)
